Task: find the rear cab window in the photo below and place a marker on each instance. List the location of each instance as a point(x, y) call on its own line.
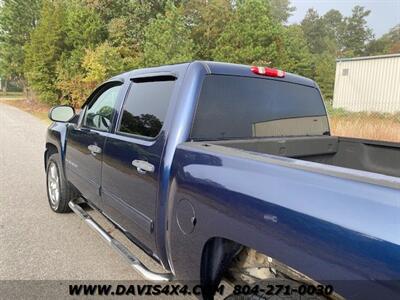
point(237, 107)
point(146, 105)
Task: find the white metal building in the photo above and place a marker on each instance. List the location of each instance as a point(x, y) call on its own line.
point(369, 84)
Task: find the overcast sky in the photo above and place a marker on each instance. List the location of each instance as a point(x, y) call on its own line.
point(384, 13)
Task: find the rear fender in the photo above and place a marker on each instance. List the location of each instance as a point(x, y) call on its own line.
point(244, 201)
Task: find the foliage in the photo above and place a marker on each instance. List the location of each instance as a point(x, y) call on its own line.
point(17, 19)
point(44, 51)
point(83, 26)
point(389, 43)
point(294, 55)
point(281, 10)
point(333, 35)
point(356, 33)
point(64, 48)
point(102, 63)
point(167, 39)
point(207, 20)
point(325, 74)
point(315, 31)
point(246, 41)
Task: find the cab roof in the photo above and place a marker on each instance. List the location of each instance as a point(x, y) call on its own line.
point(245, 70)
point(220, 68)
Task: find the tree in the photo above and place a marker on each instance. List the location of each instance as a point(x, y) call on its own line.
point(102, 63)
point(324, 35)
point(377, 47)
point(83, 29)
point(96, 65)
point(83, 26)
point(341, 36)
point(324, 75)
point(356, 33)
point(167, 39)
point(315, 31)
point(394, 37)
point(386, 44)
point(44, 50)
point(281, 10)
point(330, 36)
point(295, 56)
point(334, 25)
point(207, 20)
point(65, 48)
point(250, 36)
point(17, 19)
point(126, 30)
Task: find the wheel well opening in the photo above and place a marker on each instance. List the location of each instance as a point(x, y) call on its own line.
point(50, 150)
point(216, 258)
point(240, 265)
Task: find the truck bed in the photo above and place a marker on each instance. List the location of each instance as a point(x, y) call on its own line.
point(366, 155)
point(290, 199)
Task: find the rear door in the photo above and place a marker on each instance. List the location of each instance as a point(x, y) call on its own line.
point(85, 142)
point(132, 158)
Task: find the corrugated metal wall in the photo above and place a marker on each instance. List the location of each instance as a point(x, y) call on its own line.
point(368, 84)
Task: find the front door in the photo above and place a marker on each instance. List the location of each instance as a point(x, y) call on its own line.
point(132, 158)
point(85, 142)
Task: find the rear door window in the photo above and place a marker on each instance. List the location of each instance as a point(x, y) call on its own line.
point(146, 105)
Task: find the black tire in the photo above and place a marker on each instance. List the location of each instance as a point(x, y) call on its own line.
point(65, 192)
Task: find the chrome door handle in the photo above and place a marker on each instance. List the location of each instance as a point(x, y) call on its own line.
point(94, 149)
point(143, 166)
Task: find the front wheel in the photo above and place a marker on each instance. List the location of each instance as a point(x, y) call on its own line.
point(59, 192)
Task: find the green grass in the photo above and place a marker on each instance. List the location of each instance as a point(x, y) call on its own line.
point(342, 113)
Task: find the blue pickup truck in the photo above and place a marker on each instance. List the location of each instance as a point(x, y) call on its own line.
point(219, 170)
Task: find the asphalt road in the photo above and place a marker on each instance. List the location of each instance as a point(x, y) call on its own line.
point(36, 243)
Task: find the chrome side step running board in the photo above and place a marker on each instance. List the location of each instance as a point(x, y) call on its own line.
point(119, 247)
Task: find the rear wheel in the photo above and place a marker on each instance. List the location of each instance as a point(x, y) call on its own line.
point(59, 193)
point(256, 276)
